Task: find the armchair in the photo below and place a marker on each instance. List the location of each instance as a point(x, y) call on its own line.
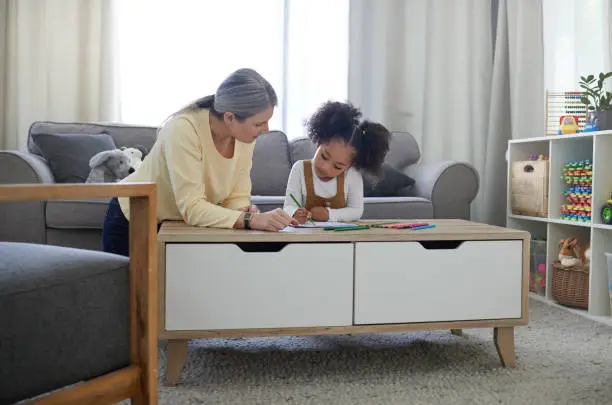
point(80, 326)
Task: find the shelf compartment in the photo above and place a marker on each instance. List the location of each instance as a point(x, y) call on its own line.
point(564, 151)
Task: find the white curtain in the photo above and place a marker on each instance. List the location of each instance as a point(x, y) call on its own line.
point(577, 40)
point(516, 108)
point(57, 64)
point(432, 68)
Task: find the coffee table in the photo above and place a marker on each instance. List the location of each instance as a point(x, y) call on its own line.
point(235, 283)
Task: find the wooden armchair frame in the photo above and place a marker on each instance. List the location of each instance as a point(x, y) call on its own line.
point(138, 381)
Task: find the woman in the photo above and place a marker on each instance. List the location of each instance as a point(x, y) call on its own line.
point(201, 163)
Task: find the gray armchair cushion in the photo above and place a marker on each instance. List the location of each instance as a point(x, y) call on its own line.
point(64, 317)
point(68, 155)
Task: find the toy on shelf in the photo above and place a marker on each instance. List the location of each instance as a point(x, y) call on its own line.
point(586, 255)
point(606, 212)
point(534, 157)
point(579, 175)
point(570, 253)
point(568, 124)
point(591, 126)
point(570, 274)
point(537, 272)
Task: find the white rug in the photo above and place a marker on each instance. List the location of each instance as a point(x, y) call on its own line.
point(562, 358)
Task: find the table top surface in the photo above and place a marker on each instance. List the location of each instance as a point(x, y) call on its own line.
point(445, 229)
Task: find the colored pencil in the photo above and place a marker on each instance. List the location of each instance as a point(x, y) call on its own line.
point(299, 205)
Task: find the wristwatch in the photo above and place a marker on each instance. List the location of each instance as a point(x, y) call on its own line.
point(247, 220)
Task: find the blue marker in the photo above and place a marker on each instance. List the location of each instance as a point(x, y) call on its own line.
point(423, 227)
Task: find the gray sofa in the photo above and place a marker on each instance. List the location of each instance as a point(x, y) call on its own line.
point(441, 190)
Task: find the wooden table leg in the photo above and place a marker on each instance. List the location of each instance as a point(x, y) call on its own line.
point(457, 332)
point(504, 342)
point(177, 354)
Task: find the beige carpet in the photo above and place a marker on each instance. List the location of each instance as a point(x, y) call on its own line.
point(562, 358)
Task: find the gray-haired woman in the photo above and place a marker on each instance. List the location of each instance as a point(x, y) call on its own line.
point(201, 162)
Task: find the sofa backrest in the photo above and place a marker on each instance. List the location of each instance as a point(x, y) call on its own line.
point(271, 164)
point(403, 151)
point(273, 157)
point(123, 135)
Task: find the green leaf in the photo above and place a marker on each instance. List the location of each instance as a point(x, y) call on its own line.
point(590, 78)
point(585, 100)
point(591, 108)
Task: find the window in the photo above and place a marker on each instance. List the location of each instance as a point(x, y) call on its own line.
point(174, 51)
point(576, 41)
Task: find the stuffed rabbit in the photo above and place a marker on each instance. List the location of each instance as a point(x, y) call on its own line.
point(109, 166)
point(570, 253)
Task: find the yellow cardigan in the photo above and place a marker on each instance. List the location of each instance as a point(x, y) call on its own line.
point(194, 182)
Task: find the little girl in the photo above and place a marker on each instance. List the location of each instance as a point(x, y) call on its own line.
point(329, 187)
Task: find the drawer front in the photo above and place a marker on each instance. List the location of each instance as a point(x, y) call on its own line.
point(403, 282)
point(262, 285)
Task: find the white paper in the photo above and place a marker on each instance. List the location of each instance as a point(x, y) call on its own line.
point(330, 224)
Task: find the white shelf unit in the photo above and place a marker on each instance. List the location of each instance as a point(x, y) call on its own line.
point(561, 149)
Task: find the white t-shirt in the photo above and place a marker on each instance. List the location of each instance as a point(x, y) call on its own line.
point(353, 192)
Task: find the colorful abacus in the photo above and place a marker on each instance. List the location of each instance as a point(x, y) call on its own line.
point(579, 175)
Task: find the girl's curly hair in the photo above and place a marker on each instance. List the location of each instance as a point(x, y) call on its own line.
point(338, 120)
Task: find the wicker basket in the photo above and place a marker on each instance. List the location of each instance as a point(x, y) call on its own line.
point(570, 285)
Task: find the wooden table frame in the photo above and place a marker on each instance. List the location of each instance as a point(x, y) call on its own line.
point(503, 329)
point(138, 381)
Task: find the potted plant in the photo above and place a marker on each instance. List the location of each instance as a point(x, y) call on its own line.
point(597, 99)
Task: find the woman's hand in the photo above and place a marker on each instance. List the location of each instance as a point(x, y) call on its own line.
point(302, 215)
point(320, 213)
point(272, 221)
point(250, 208)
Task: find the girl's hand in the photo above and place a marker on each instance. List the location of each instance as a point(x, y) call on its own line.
point(250, 208)
point(272, 221)
point(320, 213)
point(302, 215)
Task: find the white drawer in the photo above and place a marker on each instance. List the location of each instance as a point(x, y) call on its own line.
point(222, 286)
point(402, 282)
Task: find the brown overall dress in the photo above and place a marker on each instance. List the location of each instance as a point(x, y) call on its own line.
point(313, 200)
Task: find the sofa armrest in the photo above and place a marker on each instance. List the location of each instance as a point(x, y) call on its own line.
point(451, 186)
point(23, 221)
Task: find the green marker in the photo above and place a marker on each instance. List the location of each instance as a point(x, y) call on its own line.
point(299, 205)
point(348, 228)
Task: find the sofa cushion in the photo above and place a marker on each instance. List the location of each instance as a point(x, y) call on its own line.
point(268, 203)
point(397, 208)
point(68, 155)
point(76, 214)
point(391, 183)
point(302, 149)
point(271, 164)
point(403, 150)
point(65, 317)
